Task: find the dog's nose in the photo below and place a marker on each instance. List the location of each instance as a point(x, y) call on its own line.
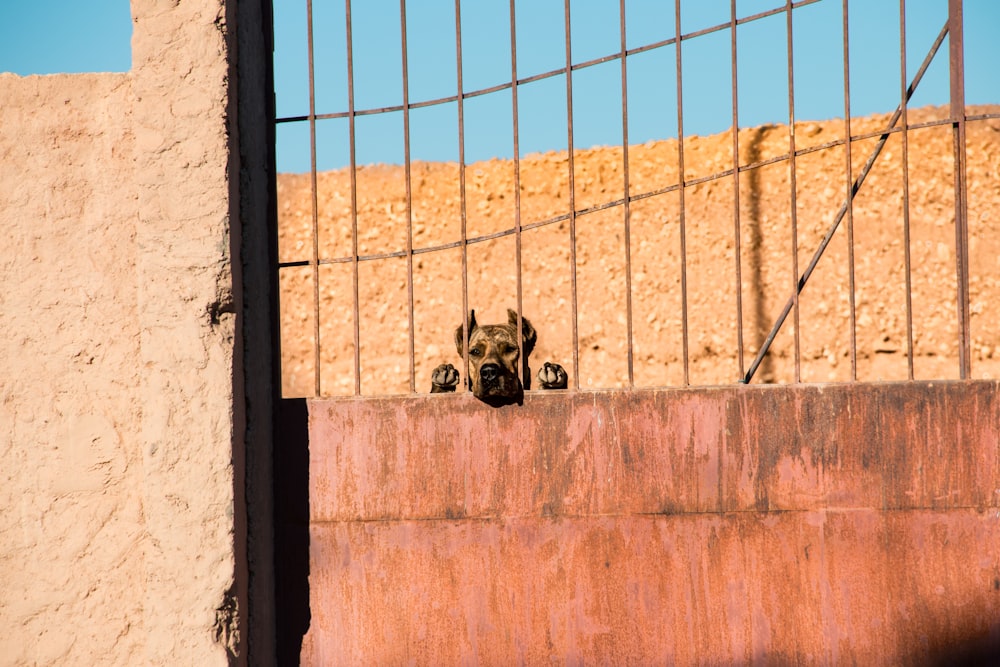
point(489, 372)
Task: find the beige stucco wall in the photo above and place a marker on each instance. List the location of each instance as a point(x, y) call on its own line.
point(120, 448)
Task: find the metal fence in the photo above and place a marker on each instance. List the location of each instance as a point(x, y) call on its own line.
point(738, 331)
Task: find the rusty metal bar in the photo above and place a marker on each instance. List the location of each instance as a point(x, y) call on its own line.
point(888, 131)
point(572, 194)
point(849, 182)
point(736, 188)
point(844, 207)
point(957, 79)
point(904, 125)
point(461, 193)
point(314, 259)
point(409, 193)
point(978, 116)
point(354, 201)
point(680, 193)
point(626, 207)
point(524, 372)
point(793, 192)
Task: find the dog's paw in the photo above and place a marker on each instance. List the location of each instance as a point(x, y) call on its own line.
point(552, 376)
point(444, 379)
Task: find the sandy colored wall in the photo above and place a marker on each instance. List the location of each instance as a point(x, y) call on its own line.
point(121, 418)
point(72, 529)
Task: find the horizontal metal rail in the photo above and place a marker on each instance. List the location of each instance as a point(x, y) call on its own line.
point(544, 75)
point(642, 195)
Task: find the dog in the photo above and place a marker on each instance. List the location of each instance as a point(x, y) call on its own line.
point(494, 354)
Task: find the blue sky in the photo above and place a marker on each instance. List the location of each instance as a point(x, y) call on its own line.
point(47, 36)
point(762, 69)
point(52, 36)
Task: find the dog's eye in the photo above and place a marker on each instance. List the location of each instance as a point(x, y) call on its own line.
point(475, 352)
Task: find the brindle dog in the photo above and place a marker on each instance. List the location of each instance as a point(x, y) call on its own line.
point(493, 362)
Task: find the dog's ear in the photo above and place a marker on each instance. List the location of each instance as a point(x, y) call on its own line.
point(528, 333)
point(459, 338)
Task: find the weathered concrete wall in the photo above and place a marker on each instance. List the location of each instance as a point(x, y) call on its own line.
point(185, 298)
point(121, 410)
point(827, 525)
point(72, 533)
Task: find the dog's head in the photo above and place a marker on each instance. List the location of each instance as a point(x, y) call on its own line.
point(494, 356)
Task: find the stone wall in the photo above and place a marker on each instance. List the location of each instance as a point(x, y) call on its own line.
point(122, 412)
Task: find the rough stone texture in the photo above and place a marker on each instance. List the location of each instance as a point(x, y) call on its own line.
point(185, 299)
point(73, 531)
point(120, 411)
point(547, 273)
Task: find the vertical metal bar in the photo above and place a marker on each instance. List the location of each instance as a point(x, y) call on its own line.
point(354, 200)
point(409, 193)
point(904, 125)
point(314, 258)
point(794, 192)
point(525, 378)
point(627, 205)
point(680, 192)
point(572, 194)
point(461, 191)
point(957, 75)
point(850, 193)
point(736, 188)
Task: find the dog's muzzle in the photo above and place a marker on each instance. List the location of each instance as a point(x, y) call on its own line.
point(489, 373)
point(497, 383)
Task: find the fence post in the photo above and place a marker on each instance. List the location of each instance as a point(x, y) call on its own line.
point(957, 76)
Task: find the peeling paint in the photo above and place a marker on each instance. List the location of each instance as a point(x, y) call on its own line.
point(801, 524)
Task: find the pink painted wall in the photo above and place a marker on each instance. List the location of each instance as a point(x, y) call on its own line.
point(809, 524)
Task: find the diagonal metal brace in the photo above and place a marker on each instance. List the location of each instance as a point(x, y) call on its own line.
point(858, 182)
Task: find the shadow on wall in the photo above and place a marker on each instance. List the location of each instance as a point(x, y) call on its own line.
point(980, 651)
point(759, 324)
point(291, 529)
